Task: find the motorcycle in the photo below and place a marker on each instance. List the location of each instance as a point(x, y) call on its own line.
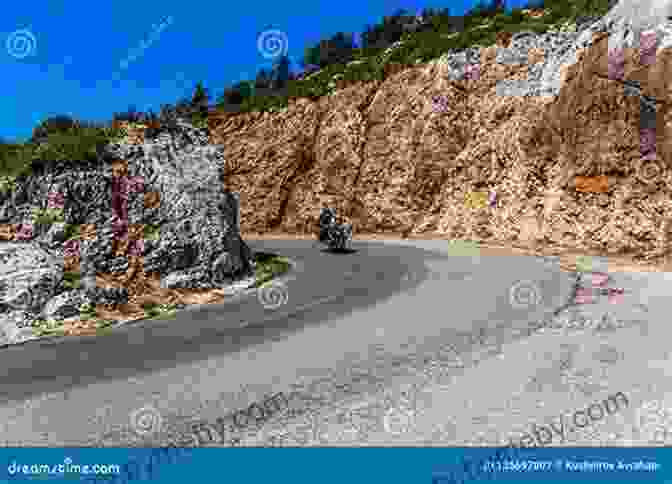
point(336, 236)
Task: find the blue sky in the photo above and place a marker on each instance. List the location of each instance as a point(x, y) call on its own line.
point(91, 59)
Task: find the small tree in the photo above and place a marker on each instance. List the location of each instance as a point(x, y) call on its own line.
point(201, 97)
point(264, 79)
point(61, 123)
point(281, 72)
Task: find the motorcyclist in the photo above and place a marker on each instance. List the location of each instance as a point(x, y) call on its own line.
point(327, 222)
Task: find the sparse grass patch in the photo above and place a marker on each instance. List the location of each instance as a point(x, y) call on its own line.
point(269, 266)
point(159, 311)
point(72, 232)
point(57, 327)
point(151, 232)
point(72, 280)
point(47, 216)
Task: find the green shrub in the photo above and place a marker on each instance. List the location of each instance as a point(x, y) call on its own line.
point(72, 280)
point(72, 231)
point(7, 183)
point(81, 143)
point(151, 232)
point(159, 311)
point(47, 216)
point(268, 267)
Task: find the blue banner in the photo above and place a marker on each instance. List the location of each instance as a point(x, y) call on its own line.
point(338, 465)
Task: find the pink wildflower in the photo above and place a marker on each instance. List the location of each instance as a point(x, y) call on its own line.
point(71, 248)
point(472, 72)
point(120, 228)
point(616, 295)
point(24, 232)
point(616, 62)
point(647, 141)
point(599, 278)
point(492, 199)
point(56, 200)
point(136, 247)
point(647, 48)
point(136, 184)
point(584, 296)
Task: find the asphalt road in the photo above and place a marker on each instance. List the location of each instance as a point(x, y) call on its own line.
point(380, 312)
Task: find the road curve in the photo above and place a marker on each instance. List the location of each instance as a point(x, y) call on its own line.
point(384, 301)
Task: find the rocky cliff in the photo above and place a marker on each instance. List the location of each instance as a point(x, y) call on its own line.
point(530, 122)
point(145, 225)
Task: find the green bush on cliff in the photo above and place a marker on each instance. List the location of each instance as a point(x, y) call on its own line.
point(60, 138)
point(481, 28)
point(73, 144)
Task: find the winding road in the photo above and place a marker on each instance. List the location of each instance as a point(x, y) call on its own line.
point(388, 325)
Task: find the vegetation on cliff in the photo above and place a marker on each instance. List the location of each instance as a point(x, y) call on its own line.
point(400, 40)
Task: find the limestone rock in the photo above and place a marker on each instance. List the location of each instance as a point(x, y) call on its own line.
point(540, 113)
point(65, 305)
point(158, 199)
point(15, 328)
point(28, 276)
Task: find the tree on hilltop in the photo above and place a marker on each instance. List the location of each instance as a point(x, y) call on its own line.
point(55, 124)
point(201, 97)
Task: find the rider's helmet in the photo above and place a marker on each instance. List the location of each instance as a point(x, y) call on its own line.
point(327, 216)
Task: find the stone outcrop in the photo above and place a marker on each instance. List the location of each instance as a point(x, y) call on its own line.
point(149, 222)
point(523, 121)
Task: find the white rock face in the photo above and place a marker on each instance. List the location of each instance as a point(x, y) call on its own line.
point(625, 23)
point(641, 14)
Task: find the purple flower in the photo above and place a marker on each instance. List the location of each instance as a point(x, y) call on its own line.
point(56, 200)
point(71, 248)
point(616, 295)
point(136, 184)
point(472, 72)
point(584, 296)
point(24, 232)
point(120, 197)
point(492, 199)
point(647, 48)
point(136, 247)
point(647, 141)
point(440, 104)
point(120, 228)
point(599, 278)
point(616, 61)
point(120, 186)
